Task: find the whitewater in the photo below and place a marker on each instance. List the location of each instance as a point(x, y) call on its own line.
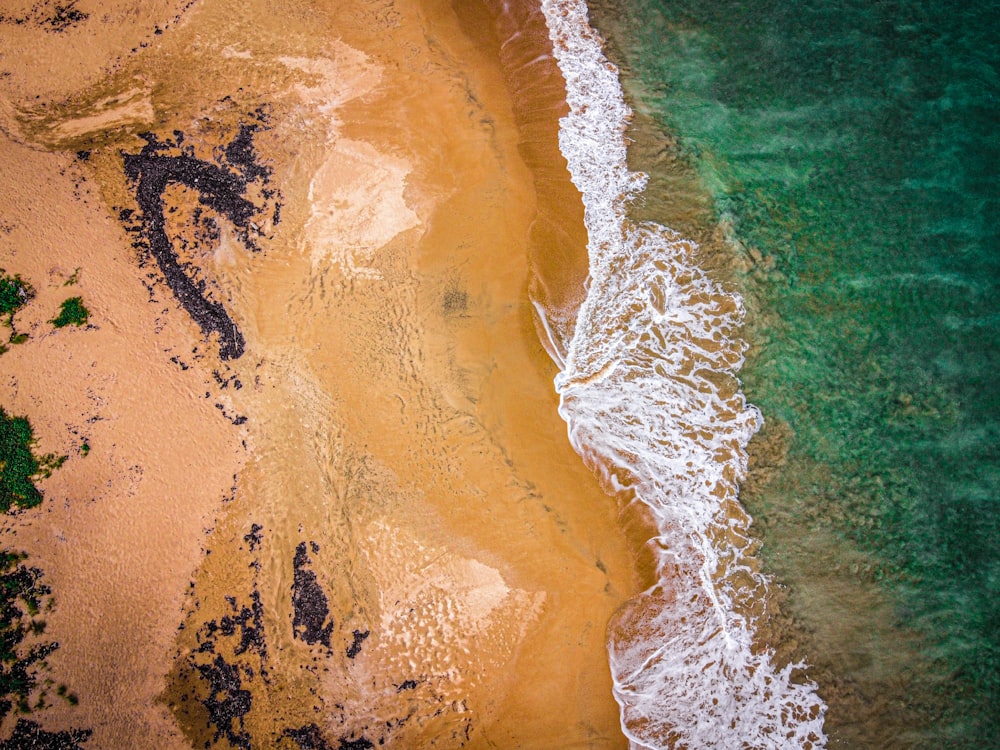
point(649, 393)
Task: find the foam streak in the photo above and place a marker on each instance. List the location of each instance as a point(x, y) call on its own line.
point(648, 392)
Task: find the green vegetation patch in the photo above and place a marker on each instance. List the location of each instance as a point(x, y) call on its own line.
point(72, 313)
point(19, 466)
point(15, 293)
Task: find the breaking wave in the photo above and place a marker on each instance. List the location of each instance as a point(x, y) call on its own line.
point(649, 394)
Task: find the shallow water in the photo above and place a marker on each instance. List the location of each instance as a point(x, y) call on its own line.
point(848, 150)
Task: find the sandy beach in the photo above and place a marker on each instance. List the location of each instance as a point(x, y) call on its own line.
point(365, 522)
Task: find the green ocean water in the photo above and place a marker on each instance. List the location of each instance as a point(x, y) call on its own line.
point(852, 149)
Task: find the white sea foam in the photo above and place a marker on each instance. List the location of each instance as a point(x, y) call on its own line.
point(648, 393)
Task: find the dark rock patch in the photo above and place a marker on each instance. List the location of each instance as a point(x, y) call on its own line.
point(308, 738)
point(51, 16)
point(254, 537)
point(223, 669)
point(310, 606)
point(23, 600)
point(215, 680)
point(245, 626)
point(355, 648)
point(240, 153)
point(455, 302)
point(227, 702)
point(64, 16)
point(221, 187)
point(358, 744)
point(29, 735)
point(23, 597)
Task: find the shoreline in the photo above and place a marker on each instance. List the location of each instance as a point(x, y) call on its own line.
point(652, 400)
point(558, 240)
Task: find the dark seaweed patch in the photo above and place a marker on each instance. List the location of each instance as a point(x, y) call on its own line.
point(72, 312)
point(19, 466)
point(15, 293)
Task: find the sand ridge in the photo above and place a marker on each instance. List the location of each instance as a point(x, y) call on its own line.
point(410, 552)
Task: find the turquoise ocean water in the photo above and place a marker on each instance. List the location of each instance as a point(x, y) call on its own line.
point(851, 152)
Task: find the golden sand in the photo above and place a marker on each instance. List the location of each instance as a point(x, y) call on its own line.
point(402, 458)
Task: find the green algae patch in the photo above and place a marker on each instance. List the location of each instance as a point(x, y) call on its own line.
point(15, 293)
point(72, 312)
point(19, 466)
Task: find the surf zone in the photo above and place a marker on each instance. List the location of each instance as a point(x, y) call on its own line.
point(648, 390)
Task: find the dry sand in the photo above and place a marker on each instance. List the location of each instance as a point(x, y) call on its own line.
point(397, 543)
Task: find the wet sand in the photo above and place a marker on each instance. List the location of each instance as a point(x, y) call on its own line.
point(369, 525)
